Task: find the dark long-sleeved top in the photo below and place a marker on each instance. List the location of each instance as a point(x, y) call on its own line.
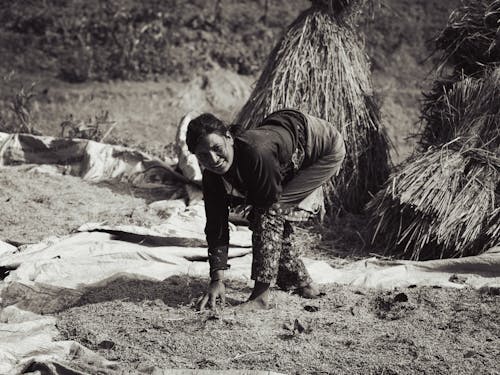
point(261, 165)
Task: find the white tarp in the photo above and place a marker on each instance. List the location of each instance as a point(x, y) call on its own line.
point(87, 258)
point(6, 248)
point(92, 161)
point(475, 271)
point(186, 228)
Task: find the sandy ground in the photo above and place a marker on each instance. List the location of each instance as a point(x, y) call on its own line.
point(142, 324)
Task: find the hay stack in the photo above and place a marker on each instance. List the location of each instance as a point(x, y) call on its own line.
point(462, 109)
point(320, 67)
point(445, 202)
point(471, 39)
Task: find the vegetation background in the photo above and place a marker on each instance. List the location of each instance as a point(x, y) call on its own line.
point(148, 62)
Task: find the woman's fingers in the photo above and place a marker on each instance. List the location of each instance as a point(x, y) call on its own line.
point(203, 302)
point(210, 298)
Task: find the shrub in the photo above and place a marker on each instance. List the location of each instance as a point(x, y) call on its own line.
point(115, 39)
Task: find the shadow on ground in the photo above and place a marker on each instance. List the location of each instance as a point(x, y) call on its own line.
point(174, 291)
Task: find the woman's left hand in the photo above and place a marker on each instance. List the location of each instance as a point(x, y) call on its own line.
point(216, 289)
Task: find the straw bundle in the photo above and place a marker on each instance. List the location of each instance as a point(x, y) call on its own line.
point(445, 202)
point(462, 108)
point(346, 10)
point(319, 67)
point(471, 39)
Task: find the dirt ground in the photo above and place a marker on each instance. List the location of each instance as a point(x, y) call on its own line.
point(143, 324)
point(35, 205)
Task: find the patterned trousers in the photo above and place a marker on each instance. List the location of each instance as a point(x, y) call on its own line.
point(276, 257)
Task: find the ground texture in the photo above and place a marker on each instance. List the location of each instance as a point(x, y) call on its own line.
point(348, 331)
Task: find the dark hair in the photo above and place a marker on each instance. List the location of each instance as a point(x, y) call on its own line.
point(205, 124)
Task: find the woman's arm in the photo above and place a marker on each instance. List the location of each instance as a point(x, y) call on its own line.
point(217, 233)
point(217, 226)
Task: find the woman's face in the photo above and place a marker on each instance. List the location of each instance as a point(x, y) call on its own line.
point(215, 152)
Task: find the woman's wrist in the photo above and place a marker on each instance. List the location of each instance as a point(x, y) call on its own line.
point(217, 258)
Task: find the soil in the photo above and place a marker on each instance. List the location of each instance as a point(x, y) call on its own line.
point(143, 325)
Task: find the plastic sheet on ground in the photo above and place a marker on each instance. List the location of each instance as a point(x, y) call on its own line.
point(186, 228)
point(6, 248)
point(92, 161)
point(475, 271)
point(54, 274)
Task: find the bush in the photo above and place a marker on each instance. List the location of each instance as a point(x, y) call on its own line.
point(116, 39)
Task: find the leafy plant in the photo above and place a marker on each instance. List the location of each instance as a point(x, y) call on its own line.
point(91, 129)
point(19, 118)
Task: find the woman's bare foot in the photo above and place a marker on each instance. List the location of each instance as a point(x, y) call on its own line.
point(259, 303)
point(310, 291)
point(258, 300)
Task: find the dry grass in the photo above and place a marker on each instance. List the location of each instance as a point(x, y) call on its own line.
point(441, 204)
point(90, 129)
point(463, 108)
point(320, 67)
point(470, 40)
point(17, 116)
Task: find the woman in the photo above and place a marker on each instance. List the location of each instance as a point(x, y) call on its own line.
point(271, 167)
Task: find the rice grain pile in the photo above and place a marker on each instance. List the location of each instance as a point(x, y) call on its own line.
point(444, 202)
point(320, 67)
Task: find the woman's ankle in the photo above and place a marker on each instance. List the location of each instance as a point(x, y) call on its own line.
point(260, 290)
point(258, 300)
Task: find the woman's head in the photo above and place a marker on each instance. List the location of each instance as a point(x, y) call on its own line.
point(211, 141)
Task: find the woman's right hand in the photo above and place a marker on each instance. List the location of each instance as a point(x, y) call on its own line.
point(216, 289)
